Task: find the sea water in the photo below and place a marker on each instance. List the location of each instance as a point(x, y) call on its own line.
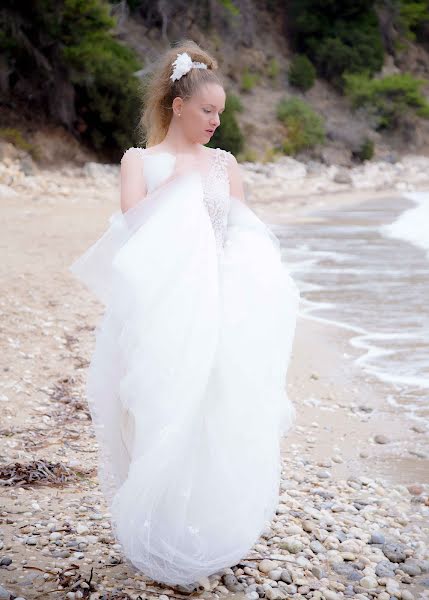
point(365, 267)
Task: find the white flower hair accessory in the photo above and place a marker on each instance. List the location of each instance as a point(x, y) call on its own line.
point(183, 64)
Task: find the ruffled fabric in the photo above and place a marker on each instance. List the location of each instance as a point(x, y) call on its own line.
point(187, 383)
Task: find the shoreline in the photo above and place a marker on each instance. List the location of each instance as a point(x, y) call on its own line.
point(344, 393)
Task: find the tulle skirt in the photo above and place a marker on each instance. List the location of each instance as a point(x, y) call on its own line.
point(187, 382)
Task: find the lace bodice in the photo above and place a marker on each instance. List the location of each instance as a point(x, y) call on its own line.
point(160, 166)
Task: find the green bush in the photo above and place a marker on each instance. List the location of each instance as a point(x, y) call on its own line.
point(228, 135)
point(412, 17)
point(389, 99)
point(248, 80)
point(302, 73)
point(337, 36)
point(15, 137)
point(305, 128)
point(365, 150)
point(273, 68)
point(80, 76)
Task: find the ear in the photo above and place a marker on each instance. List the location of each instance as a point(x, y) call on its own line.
point(177, 105)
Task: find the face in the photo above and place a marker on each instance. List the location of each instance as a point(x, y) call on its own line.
point(200, 115)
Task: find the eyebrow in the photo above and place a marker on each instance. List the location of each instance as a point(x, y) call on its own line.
point(208, 104)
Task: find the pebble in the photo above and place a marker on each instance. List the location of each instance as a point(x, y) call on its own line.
point(292, 545)
point(265, 566)
point(377, 538)
point(381, 439)
point(385, 569)
point(318, 572)
point(394, 552)
point(330, 595)
point(286, 576)
point(368, 583)
point(317, 547)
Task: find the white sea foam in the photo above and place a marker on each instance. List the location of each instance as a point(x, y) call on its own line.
point(413, 224)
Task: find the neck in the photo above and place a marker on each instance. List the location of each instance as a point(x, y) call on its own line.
point(177, 142)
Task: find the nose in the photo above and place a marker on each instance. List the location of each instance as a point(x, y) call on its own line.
point(215, 122)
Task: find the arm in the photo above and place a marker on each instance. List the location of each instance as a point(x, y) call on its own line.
point(236, 186)
point(133, 185)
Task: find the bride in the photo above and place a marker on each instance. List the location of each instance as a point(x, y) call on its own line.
point(187, 382)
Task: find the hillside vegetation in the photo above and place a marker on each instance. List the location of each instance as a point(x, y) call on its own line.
point(326, 79)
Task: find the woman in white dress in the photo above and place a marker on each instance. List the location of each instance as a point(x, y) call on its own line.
point(187, 382)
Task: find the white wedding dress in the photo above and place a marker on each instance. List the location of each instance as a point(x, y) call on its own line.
point(187, 383)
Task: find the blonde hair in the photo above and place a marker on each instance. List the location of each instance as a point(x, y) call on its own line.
point(159, 90)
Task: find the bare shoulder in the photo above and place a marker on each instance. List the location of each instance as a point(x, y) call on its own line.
point(132, 155)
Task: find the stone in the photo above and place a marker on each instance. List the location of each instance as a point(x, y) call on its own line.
point(266, 565)
point(317, 547)
point(286, 576)
point(291, 545)
point(377, 538)
point(385, 569)
point(394, 552)
point(318, 572)
point(411, 568)
point(369, 583)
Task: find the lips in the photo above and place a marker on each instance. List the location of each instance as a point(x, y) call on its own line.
point(209, 131)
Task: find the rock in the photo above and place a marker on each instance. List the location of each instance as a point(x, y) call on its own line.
point(273, 593)
point(330, 595)
point(377, 538)
point(231, 583)
point(381, 439)
point(4, 594)
point(350, 546)
point(406, 595)
point(286, 576)
point(348, 556)
point(416, 489)
point(291, 545)
point(317, 547)
point(347, 570)
point(394, 552)
point(411, 568)
point(419, 428)
point(6, 561)
point(31, 540)
point(385, 569)
point(275, 574)
point(266, 565)
point(81, 529)
point(342, 176)
point(318, 572)
point(424, 565)
point(323, 474)
point(369, 583)
point(308, 526)
point(392, 587)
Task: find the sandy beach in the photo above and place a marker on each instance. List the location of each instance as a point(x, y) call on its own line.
point(353, 517)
